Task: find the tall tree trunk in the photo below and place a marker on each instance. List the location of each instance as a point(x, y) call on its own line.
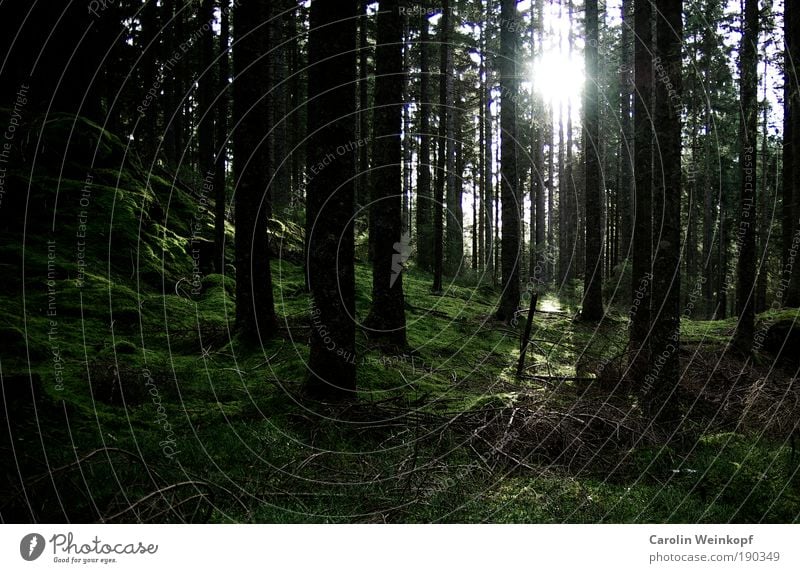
point(790, 273)
point(221, 160)
point(364, 108)
point(642, 278)
point(255, 310)
point(574, 238)
point(564, 248)
point(748, 136)
point(721, 308)
point(551, 241)
point(443, 176)
point(538, 183)
point(386, 320)
point(475, 219)
point(331, 199)
point(177, 87)
point(424, 197)
point(280, 186)
point(661, 383)
point(206, 81)
point(592, 308)
point(497, 196)
point(508, 164)
point(455, 175)
point(294, 96)
point(692, 202)
point(149, 44)
point(481, 175)
point(365, 174)
point(709, 223)
point(763, 218)
point(488, 190)
point(408, 136)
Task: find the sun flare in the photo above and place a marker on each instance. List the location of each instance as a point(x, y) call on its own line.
point(557, 77)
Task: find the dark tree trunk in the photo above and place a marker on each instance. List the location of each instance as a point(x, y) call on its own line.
point(575, 239)
point(748, 134)
point(295, 96)
point(364, 109)
point(488, 191)
point(255, 310)
point(790, 273)
point(148, 76)
point(280, 187)
point(222, 139)
point(445, 27)
point(176, 88)
point(538, 262)
point(206, 84)
point(661, 382)
point(408, 139)
point(475, 220)
point(692, 207)
point(763, 217)
point(455, 174)
point(721, 308)
point(386, 321)
point(642, 278)
point(497, 194)
point(424, 203)
point(564, 251)
point(709, 220)
point(593, 275)
point(510, 245)
point(331, 197)
point(481, 175)
point(551, 241)
point(625, 193)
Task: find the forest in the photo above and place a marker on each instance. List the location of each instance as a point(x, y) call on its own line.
point(398, 261)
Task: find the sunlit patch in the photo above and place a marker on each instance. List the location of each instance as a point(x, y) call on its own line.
point(549, 305)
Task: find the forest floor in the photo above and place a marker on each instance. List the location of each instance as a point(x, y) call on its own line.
point(448, 433)
point(149, 409)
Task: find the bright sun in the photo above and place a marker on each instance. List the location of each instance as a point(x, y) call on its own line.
point(555, 74)
point(558, 78)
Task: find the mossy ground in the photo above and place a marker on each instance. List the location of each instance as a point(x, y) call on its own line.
point(239, 425)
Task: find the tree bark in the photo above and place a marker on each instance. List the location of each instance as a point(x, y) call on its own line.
point(221, 160)
point(364, 108)
point(281, 176)
point(748, 133)
point(642, 278)
point(538, 246)
point(790, 275)
point(455, 176)
point(331, 199)
point(386, 321)
point(488, 173)
point(661, 383)
point(592, 308)
point(444, 148)
point(255, 311)
point(424, 198)
point(206, 82)
point(510, 244)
